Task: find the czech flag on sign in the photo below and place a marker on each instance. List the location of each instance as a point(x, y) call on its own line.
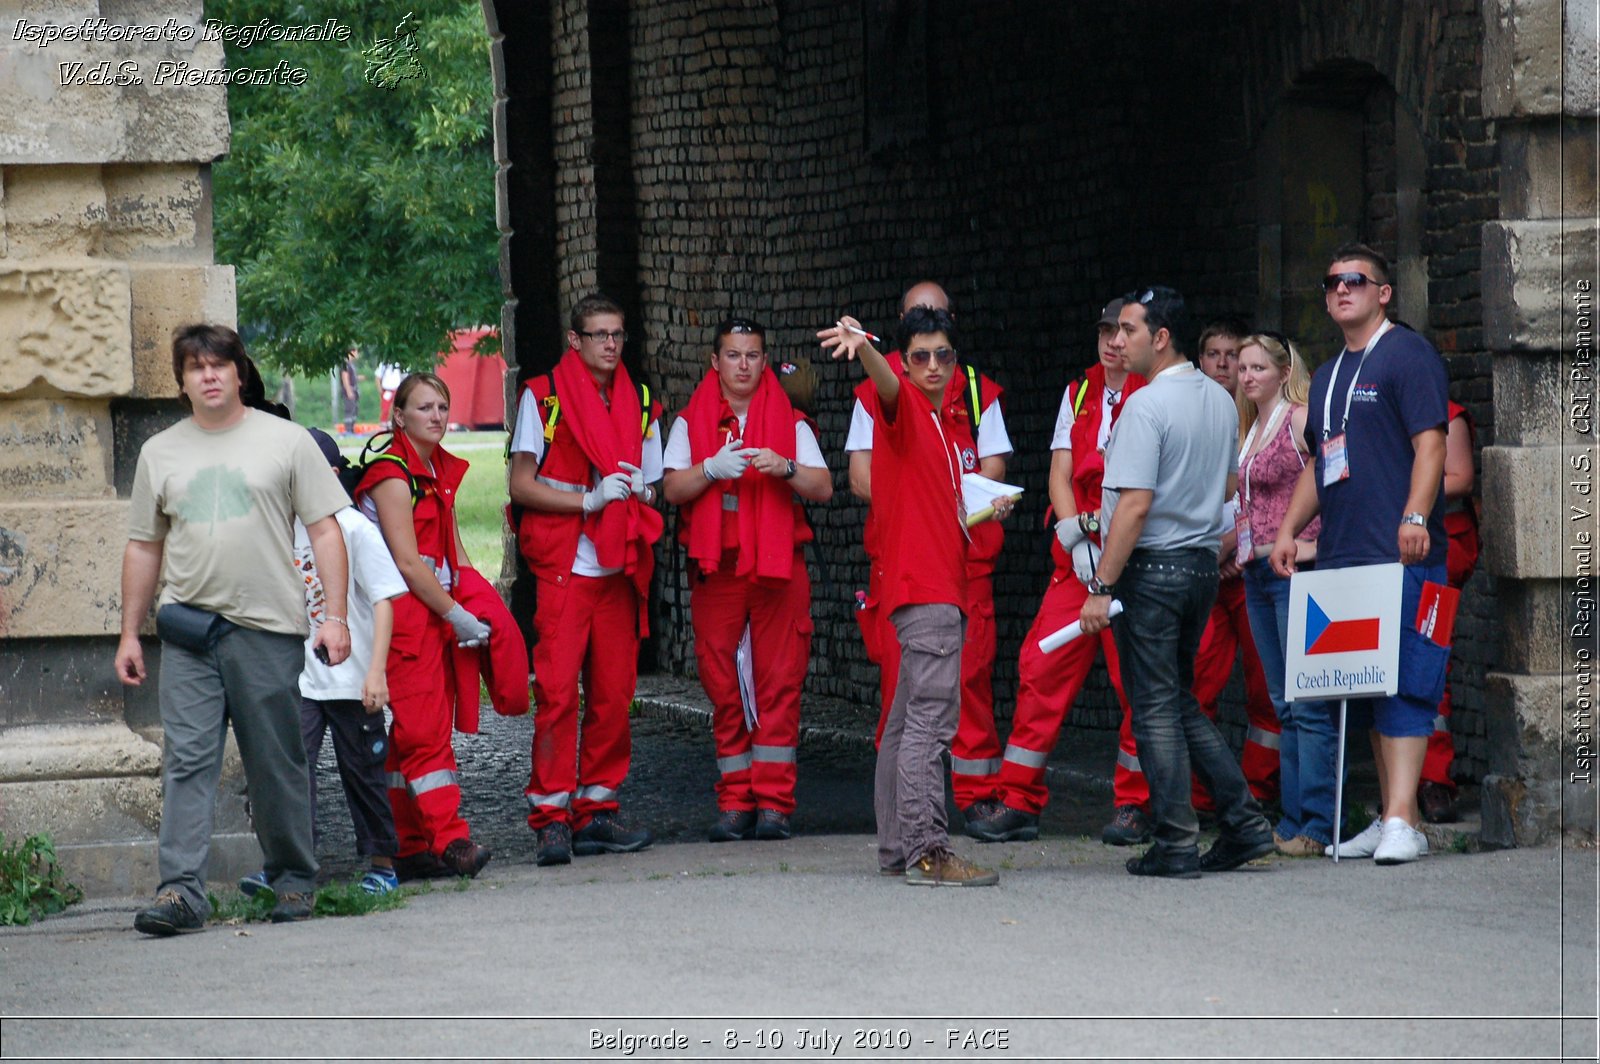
point(1324, 636)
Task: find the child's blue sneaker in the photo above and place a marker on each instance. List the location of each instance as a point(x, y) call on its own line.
point(380, 881)
point(255, 885)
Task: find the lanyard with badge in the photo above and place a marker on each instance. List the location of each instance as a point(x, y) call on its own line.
point(1335, 457)
point(1241, 521)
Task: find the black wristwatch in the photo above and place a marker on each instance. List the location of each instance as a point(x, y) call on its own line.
point(1097, 586)
point(793, 469)
point(1089, 522)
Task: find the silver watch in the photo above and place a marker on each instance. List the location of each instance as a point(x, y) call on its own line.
point(1420, 520)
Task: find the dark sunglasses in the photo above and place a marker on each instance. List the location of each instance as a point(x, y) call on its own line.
point(1351, 281)
point(920, 357)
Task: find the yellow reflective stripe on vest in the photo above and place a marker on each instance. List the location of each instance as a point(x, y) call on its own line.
point(975, 398)
point(1077, 404)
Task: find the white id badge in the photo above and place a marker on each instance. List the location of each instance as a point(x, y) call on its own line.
point(1244, 549)
point(1334, 465)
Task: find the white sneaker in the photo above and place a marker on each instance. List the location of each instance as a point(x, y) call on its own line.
point(1362, 845)
point(1400, 843)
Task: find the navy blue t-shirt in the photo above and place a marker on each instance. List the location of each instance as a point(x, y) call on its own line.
point(1403, 390)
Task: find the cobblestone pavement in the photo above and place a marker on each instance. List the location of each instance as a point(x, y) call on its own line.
point(670, 785)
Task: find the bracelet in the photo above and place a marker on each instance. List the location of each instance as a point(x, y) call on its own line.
point(331, 619)
point(649, 495)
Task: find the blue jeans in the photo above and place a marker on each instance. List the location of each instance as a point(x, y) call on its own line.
point(1166, 597)
point(1308, 748)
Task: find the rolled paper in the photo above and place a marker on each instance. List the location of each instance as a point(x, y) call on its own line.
point(1062, 636)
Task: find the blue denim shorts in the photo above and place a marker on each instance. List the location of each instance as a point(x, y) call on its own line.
point(1409, 713)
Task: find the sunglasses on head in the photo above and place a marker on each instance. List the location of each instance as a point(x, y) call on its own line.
point(920, 356)
point(1349, 280)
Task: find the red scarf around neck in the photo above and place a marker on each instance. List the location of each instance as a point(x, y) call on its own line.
point(607, 436)
point(766, 504)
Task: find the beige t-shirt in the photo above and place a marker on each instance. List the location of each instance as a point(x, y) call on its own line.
point(224, 504)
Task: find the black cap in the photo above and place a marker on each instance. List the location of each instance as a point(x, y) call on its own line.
point(329, 449)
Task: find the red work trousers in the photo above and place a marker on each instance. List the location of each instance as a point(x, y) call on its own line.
point(756, 766)
point(587, 626)
point(1047, 684)
point(1461, 558)
point(1228, 631)
point(975, 749)
point(424, 792)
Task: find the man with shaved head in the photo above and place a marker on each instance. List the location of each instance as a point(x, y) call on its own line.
point(983, 445)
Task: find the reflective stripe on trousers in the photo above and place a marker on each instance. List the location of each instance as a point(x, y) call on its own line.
point(782, 755)
point(734, 763)
point(1262, 737)
point(560, 800)
point(594, 793)
point(428, 781)
point(1018, 755)
point(1128, 761)
point(987, 766)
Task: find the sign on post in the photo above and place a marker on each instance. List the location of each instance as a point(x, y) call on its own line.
point(1344, 633)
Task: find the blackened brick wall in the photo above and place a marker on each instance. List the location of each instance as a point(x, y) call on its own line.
point(1036, 158)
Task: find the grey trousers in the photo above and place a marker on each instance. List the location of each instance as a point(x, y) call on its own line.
point(908, 788)
point(251, 678)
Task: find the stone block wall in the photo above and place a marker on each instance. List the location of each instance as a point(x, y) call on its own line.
point(105, 246)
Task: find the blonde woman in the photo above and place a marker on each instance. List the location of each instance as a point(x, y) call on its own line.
point(1273, 387)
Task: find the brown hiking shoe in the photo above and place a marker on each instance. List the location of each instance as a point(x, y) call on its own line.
point(941, 868)
point(465, 857)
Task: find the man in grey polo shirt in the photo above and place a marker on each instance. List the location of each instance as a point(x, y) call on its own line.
point(1170, 462)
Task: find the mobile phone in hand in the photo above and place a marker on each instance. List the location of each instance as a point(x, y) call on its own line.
point(322, 655)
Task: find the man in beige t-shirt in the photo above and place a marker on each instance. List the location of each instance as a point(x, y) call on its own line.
point(214, 498)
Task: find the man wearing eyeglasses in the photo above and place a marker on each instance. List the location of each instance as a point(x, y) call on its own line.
point(585, 454)
point(920, 574)
point(1048, 684)
point(738, 463)
point(980, 429)
point(1376, 422)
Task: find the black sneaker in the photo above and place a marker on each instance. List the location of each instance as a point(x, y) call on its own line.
point(1438, 802)
point(465, 857)
point(608, 833)
point(1148, 864)
point(1227, 854)
point(421, 865)
point(1005, 825)
point(732, 825)
point(555, 845)
point(292, 908)
point(1129, 826)
point(772, 825)
point(170, 915)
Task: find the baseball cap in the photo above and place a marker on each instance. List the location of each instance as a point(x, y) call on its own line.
point(329, 449)
point(1108, 316)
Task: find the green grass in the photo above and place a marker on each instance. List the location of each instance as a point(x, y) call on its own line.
point(31, 883)
point(335, 899)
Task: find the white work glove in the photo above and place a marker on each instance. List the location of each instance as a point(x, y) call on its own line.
point(613, 488)
point(1069, 533)
point(1085, 556)
point(636, 482)
point(730, 462)
point(470, 632)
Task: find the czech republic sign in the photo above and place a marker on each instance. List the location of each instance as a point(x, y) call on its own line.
point(1344, 633)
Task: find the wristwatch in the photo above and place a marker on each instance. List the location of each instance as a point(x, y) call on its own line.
point(792, 470)
point(1098, 586)
point(1420, 520)
point(1089, 522)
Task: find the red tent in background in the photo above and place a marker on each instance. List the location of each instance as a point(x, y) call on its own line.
point(477, 382)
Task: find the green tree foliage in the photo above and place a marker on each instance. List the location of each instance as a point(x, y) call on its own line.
point(356, 213)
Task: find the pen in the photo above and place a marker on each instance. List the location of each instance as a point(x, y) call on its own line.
point(862, 332)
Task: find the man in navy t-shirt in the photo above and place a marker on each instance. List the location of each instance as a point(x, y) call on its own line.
point(1376, 423)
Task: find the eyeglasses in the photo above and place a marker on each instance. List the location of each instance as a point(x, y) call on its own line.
point(744, 325)
point(600, 336)
point(920, 356)
point(1351, 281)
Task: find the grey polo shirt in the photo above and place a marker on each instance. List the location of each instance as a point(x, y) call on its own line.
point(1178, 436)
